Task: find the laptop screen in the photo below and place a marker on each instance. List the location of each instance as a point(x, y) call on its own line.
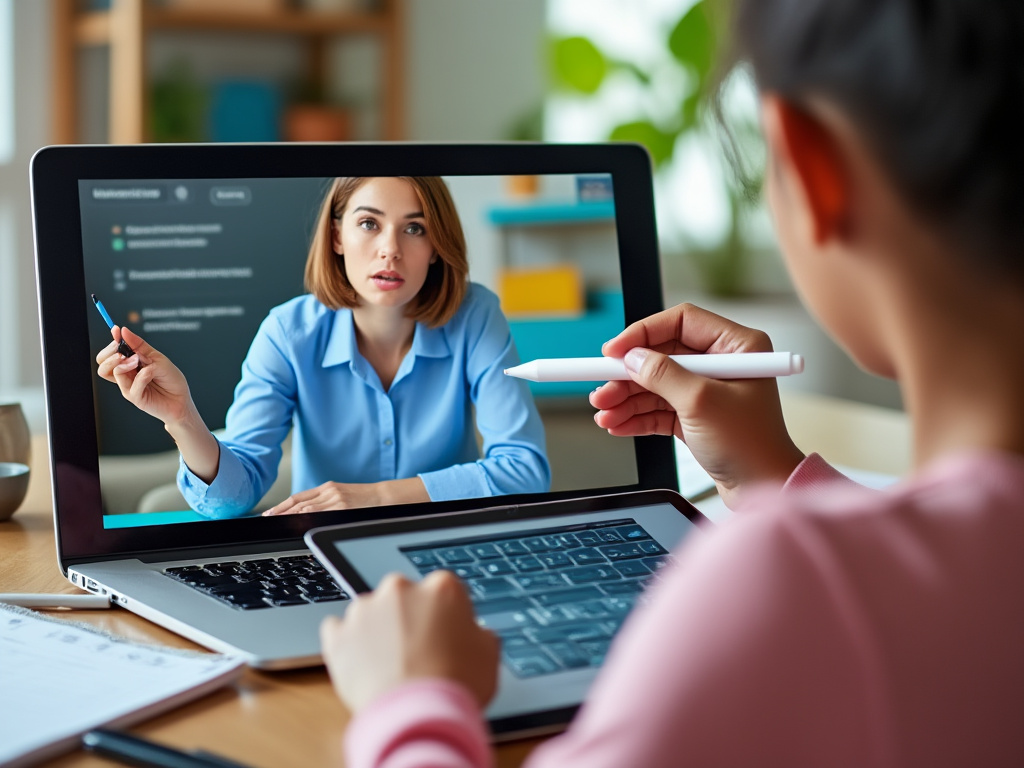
point(237, 263)
point(210, 273)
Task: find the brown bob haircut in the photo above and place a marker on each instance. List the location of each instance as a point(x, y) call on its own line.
point(445, 286)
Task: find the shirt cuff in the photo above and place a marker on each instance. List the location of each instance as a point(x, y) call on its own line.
point(429, 720)
point(814, 474)
point(225, 497)
point(460, 481)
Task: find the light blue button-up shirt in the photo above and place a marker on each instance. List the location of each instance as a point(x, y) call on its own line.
point(304, 369)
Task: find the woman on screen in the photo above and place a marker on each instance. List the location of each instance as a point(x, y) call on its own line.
point(379, 369)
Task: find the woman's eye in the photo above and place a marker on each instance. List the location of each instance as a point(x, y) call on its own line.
point(368, 224)
point(415, 229)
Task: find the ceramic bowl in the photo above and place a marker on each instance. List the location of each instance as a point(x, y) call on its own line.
point(13, 487)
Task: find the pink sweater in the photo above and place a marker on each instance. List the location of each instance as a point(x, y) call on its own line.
point(835, 626)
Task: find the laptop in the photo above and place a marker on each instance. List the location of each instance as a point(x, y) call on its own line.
point(194, 247)
point(553, 580)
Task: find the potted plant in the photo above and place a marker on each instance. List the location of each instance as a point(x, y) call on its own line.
point(580, 67)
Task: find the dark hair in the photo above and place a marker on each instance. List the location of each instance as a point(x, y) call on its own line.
point(934, 87)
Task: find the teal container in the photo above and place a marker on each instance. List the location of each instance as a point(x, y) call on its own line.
point(580, 336)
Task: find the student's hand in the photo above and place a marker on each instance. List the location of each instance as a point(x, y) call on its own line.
point(735, 429)
point(352, 496)
point(404, 631)
point(147, 379)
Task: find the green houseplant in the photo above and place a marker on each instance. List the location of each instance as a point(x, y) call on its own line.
point(580, 67)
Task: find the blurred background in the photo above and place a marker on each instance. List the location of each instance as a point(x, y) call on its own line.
point(126, 71)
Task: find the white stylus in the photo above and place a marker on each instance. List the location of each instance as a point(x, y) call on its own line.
point(740, 365)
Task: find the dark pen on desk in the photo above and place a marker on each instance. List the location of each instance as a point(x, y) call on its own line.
point(122, 348)
point(133, 750)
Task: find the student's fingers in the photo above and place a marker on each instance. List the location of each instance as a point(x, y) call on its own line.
point(650, 423)
point(330, 629)
point(447, 588)
point(392, 584)
point(659, 374)
point(684, 329)
point(614, 393)
point(636, 405)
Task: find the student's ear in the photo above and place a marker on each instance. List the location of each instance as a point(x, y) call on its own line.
point(807, 155)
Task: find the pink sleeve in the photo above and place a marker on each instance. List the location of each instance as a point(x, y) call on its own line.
point(815, 474)
point(719, 649)
point(429, 722)
point(721, 668)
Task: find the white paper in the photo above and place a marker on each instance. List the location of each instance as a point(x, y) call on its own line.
point(59, 679)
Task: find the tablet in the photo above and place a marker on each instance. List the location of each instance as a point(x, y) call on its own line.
point(553, 580)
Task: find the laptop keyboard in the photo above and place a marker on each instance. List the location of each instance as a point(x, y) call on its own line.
point(263, 583)
point(557, 596)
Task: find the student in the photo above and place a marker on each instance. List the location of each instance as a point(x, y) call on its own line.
point(826, 624)
point(378, 368)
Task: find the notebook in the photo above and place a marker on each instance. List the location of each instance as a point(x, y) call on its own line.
point(63, 678)
point(202, 250)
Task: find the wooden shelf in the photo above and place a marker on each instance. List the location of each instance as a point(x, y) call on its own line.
point(126, 27)
point(93, 28)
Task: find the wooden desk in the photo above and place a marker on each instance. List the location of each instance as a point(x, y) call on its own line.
point(294, 718)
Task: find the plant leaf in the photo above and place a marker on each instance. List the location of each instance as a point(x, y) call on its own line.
point(578, 64)
point(658, 142)
point(692, 41)
point(643, 77)
point(688, 111)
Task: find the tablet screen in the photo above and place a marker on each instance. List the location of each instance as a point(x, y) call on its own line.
point(554, 588)
point(215, 275)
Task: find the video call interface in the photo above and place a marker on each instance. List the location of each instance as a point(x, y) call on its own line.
point(194, 267)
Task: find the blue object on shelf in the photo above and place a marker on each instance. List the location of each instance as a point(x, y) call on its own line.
point(245, 110)
point(570, 337)
point(533, 214)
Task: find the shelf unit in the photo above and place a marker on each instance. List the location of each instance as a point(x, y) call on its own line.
point(126, 27)
point(575, 336)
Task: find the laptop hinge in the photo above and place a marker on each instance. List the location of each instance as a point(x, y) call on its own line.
point(226, 552)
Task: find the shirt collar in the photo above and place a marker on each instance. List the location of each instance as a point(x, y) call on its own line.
point(341, 346)
point(430, 342)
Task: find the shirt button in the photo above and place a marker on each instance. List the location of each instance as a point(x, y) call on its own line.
point(388, 441)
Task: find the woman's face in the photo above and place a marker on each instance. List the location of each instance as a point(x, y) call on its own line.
point(383, 238)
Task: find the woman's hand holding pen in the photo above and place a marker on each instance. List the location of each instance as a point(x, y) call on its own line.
point(153, 384)
point(147, 379)
point(734, 428)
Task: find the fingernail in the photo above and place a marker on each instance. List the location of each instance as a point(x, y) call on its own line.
point(635, 358)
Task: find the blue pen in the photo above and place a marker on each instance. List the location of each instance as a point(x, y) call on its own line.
point(123, 348)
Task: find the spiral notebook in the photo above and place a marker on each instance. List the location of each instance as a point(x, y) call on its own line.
point(63, 678)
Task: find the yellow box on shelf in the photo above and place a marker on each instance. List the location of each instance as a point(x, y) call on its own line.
point(542, 291)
